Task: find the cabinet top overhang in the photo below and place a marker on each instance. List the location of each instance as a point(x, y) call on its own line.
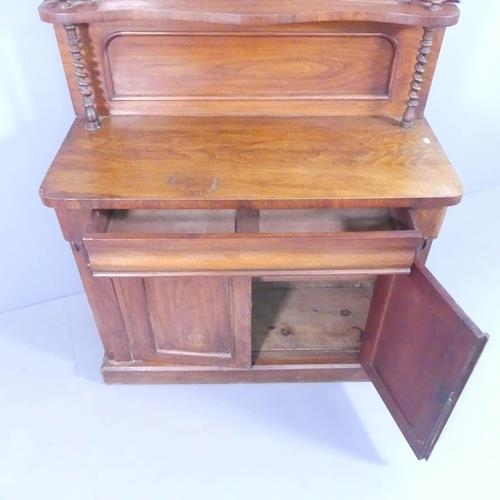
point(257, 12)
point(250, 162)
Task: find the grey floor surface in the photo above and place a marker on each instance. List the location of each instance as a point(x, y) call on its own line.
point(65, 435)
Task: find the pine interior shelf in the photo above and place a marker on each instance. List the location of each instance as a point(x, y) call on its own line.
point(309, 321)
point(250, 191)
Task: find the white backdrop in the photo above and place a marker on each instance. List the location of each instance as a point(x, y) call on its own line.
point(35, 113)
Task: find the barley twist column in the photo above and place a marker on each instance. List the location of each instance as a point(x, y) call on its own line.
point(417, 78)
point(91, 118)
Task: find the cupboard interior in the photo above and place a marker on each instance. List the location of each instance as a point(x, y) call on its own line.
point(309, 321)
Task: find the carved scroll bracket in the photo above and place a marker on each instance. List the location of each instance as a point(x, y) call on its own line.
point(418, 77)
point(91, 118)
point(67, 4)
point(437, 4)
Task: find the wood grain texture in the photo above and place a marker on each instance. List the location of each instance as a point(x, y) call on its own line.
point(240, 293)
point(250, 163)
point(204, 69)
point(135, 254)
point(74, 223)
point(308, 321)
point(163, 66)
point(134, 308)
point(428, 221)
point(189, 317)
point(245, 144)
point(188, 320)
point(419, 351)
point(322, 220)
point(141, 373)
point(101, 295)
point(201, 70)
point(327, 220)
point(259, 12)
point(168, 221)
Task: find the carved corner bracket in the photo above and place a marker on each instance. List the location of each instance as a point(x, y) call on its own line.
point(92, 121)
point(67, 4)
point(437, 4)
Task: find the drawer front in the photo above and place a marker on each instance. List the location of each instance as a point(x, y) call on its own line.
point(153, 243)
point(384, 252)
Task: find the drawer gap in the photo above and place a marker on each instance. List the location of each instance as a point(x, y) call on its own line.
point(195, 221)
point(171, 221)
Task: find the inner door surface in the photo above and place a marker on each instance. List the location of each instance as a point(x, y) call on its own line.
point(419, 351)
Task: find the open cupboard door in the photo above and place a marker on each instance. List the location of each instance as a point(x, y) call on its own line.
point(419, 351)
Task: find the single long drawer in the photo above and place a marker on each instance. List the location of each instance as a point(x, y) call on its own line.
point(163, 242)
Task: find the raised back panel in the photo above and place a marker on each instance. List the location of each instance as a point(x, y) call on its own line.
point(189, 68)
point(168, 66)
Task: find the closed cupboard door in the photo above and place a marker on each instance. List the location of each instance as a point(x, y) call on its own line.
point(187, 320)
point(419, 350)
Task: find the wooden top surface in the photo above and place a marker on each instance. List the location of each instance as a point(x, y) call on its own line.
point(250, 162)
point(250, 12)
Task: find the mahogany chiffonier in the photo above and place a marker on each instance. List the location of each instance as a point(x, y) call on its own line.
point(250, 191)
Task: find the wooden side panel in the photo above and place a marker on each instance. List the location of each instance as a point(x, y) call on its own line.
point(73, 223)
point(107, 314)
point(100, 291)
point(428, 220)
point(193, 320)
point(419, 351)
